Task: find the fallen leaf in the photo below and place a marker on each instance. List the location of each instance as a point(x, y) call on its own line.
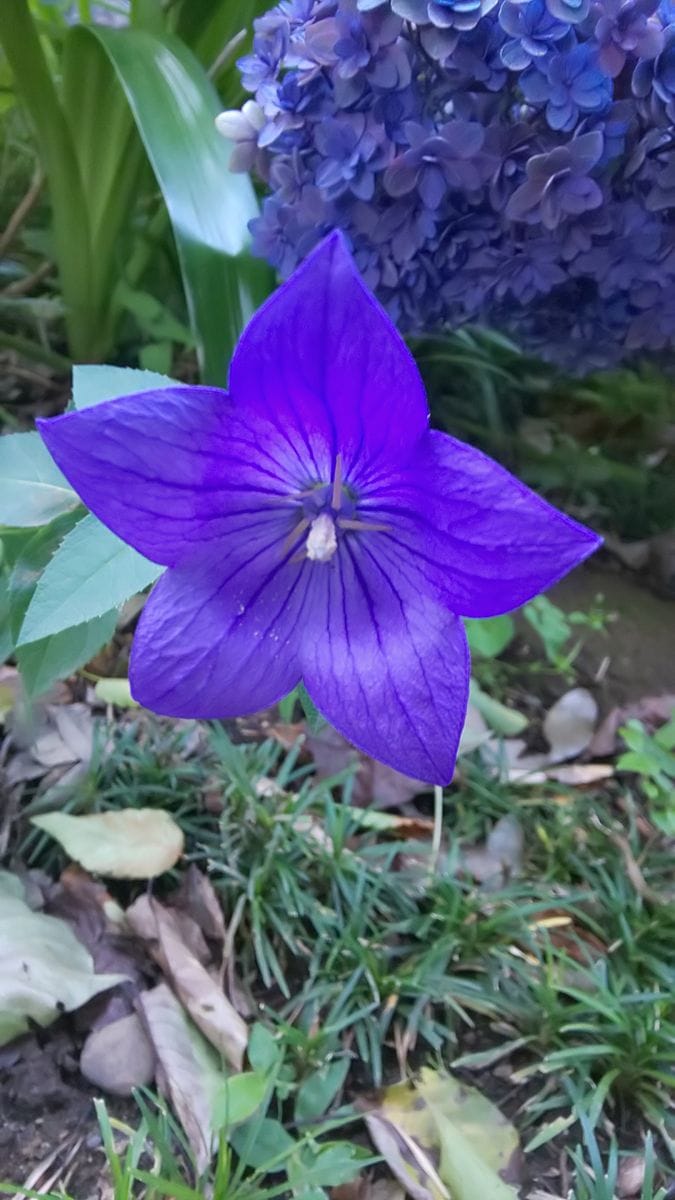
point(570, 723)
point(189, 1073)
point(444, 1140)
point(203, 998)
point(475, 731)
point(119, 1057)
point(630, 1176)
point(374, 783)
point(10, 690)
point(501, 858)
point(652, 711)
point(115, 691)
point(44, 969)
point(507, 722)
point(401, 828)
point(130, 843)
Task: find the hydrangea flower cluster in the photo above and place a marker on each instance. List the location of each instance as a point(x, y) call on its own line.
point(509, 162)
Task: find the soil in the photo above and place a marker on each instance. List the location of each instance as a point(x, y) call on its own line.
point(49, 1135)
point(639, 642)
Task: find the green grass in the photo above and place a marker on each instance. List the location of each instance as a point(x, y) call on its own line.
point(360, 957)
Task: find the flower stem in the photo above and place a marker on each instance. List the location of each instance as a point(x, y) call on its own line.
point(438, 831)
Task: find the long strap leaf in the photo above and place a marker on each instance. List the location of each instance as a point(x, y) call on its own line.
point(174, 106)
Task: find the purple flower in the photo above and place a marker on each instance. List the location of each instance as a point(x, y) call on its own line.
point(655, 79)
point(243, 128)
point(532, 32)
point(314, 528)
point(569, 84)
point(444, 14)
point(627, 28)
point(558, 184)
point(437, 162)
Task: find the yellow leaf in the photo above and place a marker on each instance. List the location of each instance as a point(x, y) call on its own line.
point(133, 843)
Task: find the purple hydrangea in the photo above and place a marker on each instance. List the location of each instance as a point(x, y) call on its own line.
point(314, 528)
point(446, 137)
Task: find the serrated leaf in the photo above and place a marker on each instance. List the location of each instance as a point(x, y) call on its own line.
point(32, 489)
point(93, 383)
point(42, 663)
point(129, 843)
point(92, 571)
point(44, 969)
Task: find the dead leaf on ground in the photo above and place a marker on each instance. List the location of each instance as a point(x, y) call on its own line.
point(129, 843)
point(653, 711)
point(10, 690)
point(630, 1176)
point(99, 923)
point(55, 746)
point(445, 1141)
point(44, 969)
point(119, 1056)
point(501, 858)
point(374, 783)
point(509, 763)
point(570, 723)
point(189, 1073)
point(202, 996)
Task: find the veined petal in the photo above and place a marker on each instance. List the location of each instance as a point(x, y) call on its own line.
point(322, 365)
point(478, 536)
point(166, 470)
point(386, 663)
point(218, 636)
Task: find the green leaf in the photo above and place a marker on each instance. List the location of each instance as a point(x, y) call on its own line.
point(91, 572)
point(313, 717)
point(30, 562)
point(241, 1096)
point(32, 488)
point(92, 384)
point(505, 721)
point(263, 1051)
point(263, 1144)
point(174, 106)
point(319, 1090)
point(115, 691)
point(43, 662)
point(488, 638)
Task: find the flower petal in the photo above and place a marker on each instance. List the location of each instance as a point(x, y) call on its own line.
point(167, 469)
point(385, 663)
point(218, 635)
point(320, 361)
point(480, 538)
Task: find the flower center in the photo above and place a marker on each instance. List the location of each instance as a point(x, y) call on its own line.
point(321, 541)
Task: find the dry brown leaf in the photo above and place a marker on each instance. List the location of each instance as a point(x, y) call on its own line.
point(203, 998)
point(374, 783)
point(630, 1176)
point(653, 711)
point(119, 1057)
point(501, 858)
point(187, 1073)
point(197, 897)
point(569, 724)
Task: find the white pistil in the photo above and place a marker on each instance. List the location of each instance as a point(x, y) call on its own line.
point(321, 540)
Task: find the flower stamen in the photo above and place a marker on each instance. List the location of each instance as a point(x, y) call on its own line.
point(352, 523)
point(336, 497)
point(321, 540)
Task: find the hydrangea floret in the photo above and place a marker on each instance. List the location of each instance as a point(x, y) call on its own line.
point(314, 528)
point(455, 141)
